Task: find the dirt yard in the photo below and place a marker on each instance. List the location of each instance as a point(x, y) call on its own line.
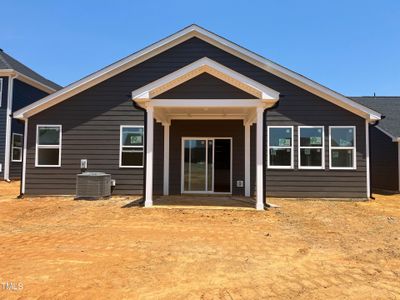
point(57, 248)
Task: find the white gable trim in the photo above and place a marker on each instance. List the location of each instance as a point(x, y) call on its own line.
point(205, 65)
point(27, 80)
point(179, 37)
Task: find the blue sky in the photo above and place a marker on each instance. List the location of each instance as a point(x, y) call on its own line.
point(350, 46)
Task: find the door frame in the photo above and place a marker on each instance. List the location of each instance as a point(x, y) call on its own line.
point(183, 139)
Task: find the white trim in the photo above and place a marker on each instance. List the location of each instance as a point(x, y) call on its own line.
point(259, 159)
point(247, 142)
point(149, 157)
point(291, 147)
point(179, 37)
point(121, 146)
point(23, 179)
point(7, 150)
point(27, 80)
point(207, 102)
point(38, 147)
point(1, 91)
point(354, 148)
point(206, 139)
point(166, 159)
point(367, 158)
point(322, 148)
point(13, 147)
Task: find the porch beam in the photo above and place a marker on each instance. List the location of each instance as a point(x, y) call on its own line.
point(149, 157)
point(166, 159)
point(259, 160)
point(247, 160)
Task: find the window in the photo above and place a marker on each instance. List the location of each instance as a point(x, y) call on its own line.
point(16, 151)
point(311, 147)
point(280, 147)
point(48, 146)
point(342, 142)
point(131, 147)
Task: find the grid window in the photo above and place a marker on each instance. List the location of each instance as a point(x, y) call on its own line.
point(16, 151)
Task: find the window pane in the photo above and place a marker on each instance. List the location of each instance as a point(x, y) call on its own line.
point(342, 158)
point(16, 154)
point(280, 157)
point(280, 137)
point(310, 157)
point(48, 157)
point(311, 137)
point(132, 157)
point(17, 140)
point(132, 136)
point(49, 136)
point(342, 137)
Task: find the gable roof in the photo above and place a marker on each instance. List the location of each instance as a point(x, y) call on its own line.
point(389, 107)
point(9, 65)
point(179, 37)
point(204, 65)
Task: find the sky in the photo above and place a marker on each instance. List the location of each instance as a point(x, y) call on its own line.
point(349, 46)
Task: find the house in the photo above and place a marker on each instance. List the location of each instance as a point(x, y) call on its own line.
point(19, 86)
point(385, 143)
point(196, 113)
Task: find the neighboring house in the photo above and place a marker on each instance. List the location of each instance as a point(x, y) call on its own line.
point(196, 113)
point(385, 143)
point(19, 87)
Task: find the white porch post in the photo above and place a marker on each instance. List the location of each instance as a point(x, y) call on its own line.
point(149, 157)
point(259, 160)
point(247, 159)
point(166, 158)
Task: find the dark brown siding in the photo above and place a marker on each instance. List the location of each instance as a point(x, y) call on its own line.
point(92, 118)
point(210, 128)
point(384, 161)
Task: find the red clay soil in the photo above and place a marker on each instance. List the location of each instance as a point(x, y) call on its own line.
point(57, 248)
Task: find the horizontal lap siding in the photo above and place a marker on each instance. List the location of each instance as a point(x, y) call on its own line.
point(300, 108)
point(91, 122)
point(23, 95)
point(384, 161)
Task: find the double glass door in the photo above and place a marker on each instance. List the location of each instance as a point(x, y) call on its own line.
point(206, 165)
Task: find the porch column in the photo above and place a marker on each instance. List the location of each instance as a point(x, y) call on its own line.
point(166, 158)
point(149, 157)
point(247, 159)
point(259, 160)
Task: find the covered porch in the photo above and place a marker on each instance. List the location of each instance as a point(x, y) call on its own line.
point(245, 108)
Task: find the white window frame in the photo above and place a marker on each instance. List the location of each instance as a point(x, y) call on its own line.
point(13, 147)
point(1, 91)
point(311, 147)
point(276, 147)
point(38, 147)
point(121, 146)
point(354, 148)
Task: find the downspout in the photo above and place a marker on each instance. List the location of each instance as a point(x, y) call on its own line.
point(7, 156)
point(370, 155)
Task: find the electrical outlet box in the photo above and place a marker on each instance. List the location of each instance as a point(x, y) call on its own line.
point(84, 164)
point(239, 183)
